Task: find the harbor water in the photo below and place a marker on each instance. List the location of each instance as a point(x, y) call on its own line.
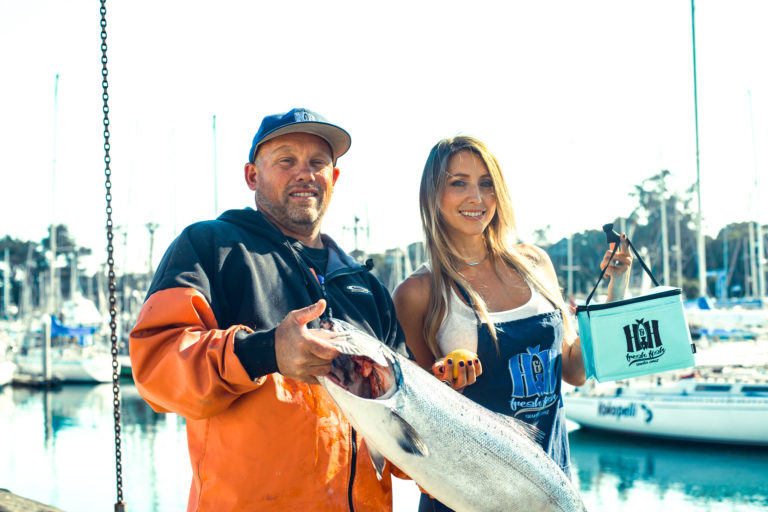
point(57, 447)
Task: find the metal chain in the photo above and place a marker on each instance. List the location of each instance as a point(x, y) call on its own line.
point(119, 506)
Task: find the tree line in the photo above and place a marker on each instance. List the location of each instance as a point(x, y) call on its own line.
point(727, 255)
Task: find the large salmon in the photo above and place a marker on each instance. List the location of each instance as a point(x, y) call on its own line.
point(466, 456)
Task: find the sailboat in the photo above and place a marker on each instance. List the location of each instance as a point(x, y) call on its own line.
point(713, 404)
point(7, 366)
point(70, 346)
point(77, 352)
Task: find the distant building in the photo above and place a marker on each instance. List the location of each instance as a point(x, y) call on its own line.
point(416, 254)
point(358, 255)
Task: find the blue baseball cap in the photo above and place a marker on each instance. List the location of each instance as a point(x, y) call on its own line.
point(301, 120)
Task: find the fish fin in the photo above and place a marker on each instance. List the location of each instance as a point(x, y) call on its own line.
point(377, 459)
point(410, 440)
point(532, 432)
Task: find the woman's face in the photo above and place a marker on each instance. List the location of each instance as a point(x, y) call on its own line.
point(468, 202)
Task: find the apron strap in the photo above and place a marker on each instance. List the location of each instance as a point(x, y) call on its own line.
point(469, 301)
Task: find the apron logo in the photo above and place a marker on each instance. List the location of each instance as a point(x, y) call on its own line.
point(533, 373)
point(643, 342)
point(538, 367)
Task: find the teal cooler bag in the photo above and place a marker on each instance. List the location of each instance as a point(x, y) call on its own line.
point(637, 336)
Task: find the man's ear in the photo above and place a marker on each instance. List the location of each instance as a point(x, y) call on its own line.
point(251, 174)
point(335, 174)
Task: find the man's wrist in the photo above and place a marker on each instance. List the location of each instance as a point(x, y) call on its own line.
point(256, 351)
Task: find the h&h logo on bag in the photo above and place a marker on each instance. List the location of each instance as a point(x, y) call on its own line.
point(643, 342)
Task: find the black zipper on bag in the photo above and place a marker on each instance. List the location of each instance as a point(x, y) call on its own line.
point(608, 305)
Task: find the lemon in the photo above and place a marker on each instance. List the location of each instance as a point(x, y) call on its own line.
point(460, 354)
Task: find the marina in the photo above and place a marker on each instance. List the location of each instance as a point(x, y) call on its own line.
point(657, 443)
point(62, 455)
point(575, 98)
point(52, 353)
point(728, 409)
point(68, 364)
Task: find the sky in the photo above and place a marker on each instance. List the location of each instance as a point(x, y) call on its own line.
point(580, 101)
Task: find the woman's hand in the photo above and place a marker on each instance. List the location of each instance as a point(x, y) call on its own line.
point(617, 268)
point(458, 369)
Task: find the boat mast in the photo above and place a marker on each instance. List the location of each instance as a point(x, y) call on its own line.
point(664, 234)
point(51, 306)
point(752, 264)
point(699, 232)
point(53, 292)
point(759, 234)
point(151, 227)
point(6, 282)
point(569, 280)
point(678, 250)
point(215, 174)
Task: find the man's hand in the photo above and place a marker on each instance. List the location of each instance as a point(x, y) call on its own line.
point(300, 354)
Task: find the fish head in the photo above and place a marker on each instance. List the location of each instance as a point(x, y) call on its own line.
point(365, 382)
point(365, 367)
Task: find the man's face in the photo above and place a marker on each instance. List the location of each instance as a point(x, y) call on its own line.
point(293, 178)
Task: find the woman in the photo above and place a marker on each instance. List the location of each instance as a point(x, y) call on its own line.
point(482, 292)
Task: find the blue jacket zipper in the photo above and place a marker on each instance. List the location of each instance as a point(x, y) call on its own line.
point(328, 311)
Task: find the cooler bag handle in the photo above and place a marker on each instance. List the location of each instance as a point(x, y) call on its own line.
point(612, 236)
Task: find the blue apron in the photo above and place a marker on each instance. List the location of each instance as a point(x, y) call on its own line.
point(524, 380)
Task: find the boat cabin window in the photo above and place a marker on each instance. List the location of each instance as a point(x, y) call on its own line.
point(713, 387)
point(754, 389)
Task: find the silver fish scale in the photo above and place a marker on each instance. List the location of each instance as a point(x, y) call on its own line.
point(356, 343)
point(487, 440)
point(468, 457)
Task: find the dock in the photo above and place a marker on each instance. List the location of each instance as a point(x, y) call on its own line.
point(34, 381)
point(10, 502)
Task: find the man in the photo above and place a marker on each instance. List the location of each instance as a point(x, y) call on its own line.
point(225, 337)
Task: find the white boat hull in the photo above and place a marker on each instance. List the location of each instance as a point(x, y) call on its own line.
point(737, 420)
point(7, 370)
point(91, 368)
point(125, 364)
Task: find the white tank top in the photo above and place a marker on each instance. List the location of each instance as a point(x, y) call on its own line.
point(459, 327)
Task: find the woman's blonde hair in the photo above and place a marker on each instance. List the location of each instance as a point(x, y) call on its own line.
point(500, 239)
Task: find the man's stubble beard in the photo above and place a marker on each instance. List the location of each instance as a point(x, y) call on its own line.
point(299, 220)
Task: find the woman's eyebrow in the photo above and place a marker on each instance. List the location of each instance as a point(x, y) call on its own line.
point(466, 175)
